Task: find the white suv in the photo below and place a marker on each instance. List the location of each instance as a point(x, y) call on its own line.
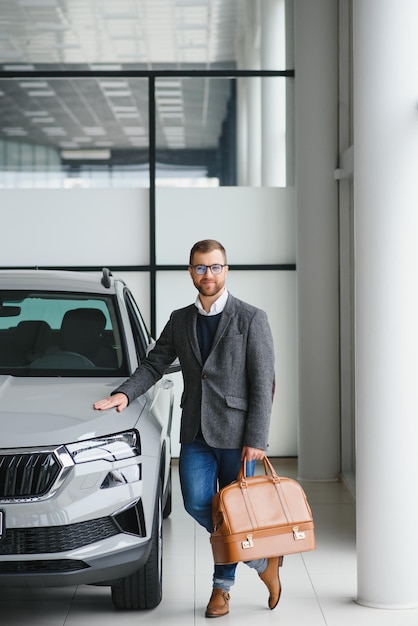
point(82, 492)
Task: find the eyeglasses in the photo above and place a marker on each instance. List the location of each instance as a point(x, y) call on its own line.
point(216, 268)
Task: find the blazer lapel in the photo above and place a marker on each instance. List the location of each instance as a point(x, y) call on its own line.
point(223, 322)
point(192, 333)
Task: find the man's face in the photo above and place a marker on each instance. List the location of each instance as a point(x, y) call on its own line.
point(209, 284)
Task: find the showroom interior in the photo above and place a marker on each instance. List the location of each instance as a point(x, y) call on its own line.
point(286, 129)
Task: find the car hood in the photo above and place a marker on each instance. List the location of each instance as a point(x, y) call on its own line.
point(53, 411)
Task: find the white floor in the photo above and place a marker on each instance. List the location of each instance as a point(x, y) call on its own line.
point(318, 587)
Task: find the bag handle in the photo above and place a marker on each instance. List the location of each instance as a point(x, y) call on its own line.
point(268, 469)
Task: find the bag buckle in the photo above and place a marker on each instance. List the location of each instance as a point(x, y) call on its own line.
point(248, 543)
point(298, 535)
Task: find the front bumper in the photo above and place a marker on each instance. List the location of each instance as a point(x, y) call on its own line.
point(98, 563)
point(56, 542)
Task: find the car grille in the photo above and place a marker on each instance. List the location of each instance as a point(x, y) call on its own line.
point(27, 475)
point(41, 567)
point(56, 538)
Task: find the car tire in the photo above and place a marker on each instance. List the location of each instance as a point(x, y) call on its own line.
point(142, 590)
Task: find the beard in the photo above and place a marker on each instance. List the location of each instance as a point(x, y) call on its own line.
point(210, 289)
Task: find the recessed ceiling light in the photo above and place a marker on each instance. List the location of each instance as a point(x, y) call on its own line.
point(162, 82)
point(43, 120)
point(161, 93)
point(96, 67)
point(15, 131)
point(171, 115)
point(19, 68)
point(170, 100)
point(41, 94)
point(127, 116)
point(36, 113)
point(134, 130)
point(122, 109)
point(35, 84)
point(118, 94)
point(113, 84)
point(91, 154)
point(38, 4)
point(94, 130)
point(170, 107)
point(54, 131)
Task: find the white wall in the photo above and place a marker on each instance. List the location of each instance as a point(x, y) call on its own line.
point(256, 225)
point(110, 227)
point(74, 227)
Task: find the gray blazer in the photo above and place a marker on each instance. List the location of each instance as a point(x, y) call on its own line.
point(230, 395)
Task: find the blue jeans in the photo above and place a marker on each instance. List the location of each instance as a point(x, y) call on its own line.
point(203, 470)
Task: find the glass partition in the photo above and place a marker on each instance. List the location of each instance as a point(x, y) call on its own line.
point(90, 132)
point(74, 132)
point(193, 116)
point(213, 132)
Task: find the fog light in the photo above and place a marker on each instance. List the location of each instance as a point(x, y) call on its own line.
point(122, 476)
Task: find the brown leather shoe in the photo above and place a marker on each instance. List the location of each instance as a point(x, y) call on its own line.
point(270, 578)
point(218, 603)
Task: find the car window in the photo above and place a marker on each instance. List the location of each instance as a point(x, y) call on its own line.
point(45, 333)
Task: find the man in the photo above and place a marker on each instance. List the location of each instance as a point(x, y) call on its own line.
point(225, 349)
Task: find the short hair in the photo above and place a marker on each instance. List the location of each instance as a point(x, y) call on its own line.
point(206, 245)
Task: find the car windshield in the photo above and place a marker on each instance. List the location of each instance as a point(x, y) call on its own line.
point(59, 334)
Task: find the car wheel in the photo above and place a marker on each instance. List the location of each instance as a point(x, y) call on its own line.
point(143, 589)
point(168, 501)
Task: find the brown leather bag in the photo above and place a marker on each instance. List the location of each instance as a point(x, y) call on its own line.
point(260, 517)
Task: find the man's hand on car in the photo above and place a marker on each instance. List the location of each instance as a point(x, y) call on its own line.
point(118, 400)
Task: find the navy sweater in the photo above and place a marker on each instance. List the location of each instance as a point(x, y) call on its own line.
point(206, 329)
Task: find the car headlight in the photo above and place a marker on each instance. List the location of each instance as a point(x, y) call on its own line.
point(109, 448)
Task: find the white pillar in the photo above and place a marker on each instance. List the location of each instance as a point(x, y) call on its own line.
point(316, 149)
point(254, 157)
point(249, 99)
point(386, 229)
point(273, 106)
